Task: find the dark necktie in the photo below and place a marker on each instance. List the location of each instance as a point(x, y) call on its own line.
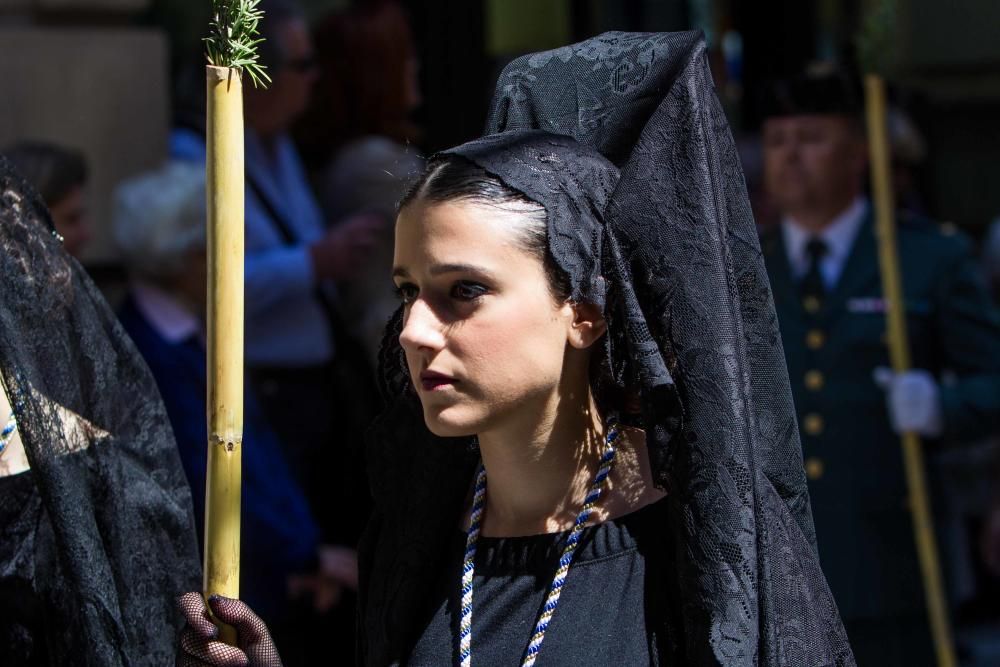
point(812, 286)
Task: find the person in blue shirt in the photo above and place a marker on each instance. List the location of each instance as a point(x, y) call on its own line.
point(298, 352)
point(159, 226)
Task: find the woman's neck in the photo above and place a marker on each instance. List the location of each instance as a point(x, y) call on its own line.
point(539, 471)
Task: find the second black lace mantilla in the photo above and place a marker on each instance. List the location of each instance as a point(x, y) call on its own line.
point(98, 537)
point(622, 139)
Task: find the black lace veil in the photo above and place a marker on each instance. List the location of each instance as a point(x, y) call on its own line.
point(623, 141)
point(116, 544)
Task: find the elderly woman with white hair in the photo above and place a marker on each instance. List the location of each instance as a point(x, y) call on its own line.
point(159, 227)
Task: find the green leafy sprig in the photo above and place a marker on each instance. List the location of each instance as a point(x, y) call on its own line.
point(876, 38)
point(232, 40)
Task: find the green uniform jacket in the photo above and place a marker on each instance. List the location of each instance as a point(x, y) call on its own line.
point(853, 458)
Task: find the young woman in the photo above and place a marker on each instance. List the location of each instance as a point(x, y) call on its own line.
point(589, 454)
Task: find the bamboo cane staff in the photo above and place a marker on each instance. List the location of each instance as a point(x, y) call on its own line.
point(877, 43)
point(230, 48)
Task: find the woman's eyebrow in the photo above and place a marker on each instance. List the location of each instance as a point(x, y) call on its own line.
point(439, 269)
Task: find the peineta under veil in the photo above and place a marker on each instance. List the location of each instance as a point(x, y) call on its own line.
point(112, 539)
point(622, 139)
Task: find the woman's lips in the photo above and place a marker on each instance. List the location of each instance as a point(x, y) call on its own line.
point(432, 381)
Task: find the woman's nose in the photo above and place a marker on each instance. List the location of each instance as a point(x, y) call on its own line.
point(422, 328)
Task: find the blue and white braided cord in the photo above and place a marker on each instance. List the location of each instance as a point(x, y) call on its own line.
point(468, 568)
point(7, 433)
point(555, 588)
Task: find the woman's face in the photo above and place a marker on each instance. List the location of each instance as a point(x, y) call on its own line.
point(485, 340)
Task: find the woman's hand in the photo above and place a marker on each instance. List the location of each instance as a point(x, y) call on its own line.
point(200, 646)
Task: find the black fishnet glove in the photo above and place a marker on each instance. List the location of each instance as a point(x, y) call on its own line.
point(199, 639)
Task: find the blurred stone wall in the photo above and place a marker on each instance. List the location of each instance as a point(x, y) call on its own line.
point(102, 90)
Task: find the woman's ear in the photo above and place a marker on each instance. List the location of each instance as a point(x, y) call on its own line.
point(588, 325)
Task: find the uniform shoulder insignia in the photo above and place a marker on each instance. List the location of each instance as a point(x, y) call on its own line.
point(943, 237)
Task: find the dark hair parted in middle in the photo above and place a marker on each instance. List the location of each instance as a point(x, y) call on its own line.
point(452, 178)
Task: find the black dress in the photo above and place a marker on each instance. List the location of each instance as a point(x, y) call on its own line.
point(611, 611)
point(22, 618)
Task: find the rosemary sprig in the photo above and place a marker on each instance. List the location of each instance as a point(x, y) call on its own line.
point(232, 40)
point(876, 38)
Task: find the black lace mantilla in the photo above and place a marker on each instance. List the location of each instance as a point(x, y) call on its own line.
point(112, 543)
point(623, 141)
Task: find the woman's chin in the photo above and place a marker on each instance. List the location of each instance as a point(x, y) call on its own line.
point(449, 423)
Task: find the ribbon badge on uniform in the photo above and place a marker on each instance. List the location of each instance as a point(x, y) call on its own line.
point(876, 305)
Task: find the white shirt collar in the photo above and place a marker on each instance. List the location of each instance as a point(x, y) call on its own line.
point(171, 319)
point(839, 237)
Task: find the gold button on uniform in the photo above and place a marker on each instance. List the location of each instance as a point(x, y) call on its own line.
point(814, 467)
point(811, 304)
point(812, 423)
point(815, 339)
point(814, 380)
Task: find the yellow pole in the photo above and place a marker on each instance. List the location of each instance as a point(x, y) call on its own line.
point(899, 354)
point(225, 334)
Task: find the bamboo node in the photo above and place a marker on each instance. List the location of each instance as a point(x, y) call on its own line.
point(230, 445)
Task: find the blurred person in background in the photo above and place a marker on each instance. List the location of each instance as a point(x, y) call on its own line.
point(823, 267)
point(59, 174)
point(991, 259)
point(991, 531)
point(357, 134)
point(312, 378)
point(967, 516)
point(159, 226)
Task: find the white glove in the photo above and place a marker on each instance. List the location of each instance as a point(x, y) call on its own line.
point(914, 401)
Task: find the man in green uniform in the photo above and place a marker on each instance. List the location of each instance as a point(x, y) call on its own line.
point(823, 264)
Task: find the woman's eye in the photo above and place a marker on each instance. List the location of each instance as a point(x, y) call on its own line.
point(467, 291)
point(406, 293)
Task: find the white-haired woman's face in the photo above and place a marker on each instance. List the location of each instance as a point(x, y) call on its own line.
point(485, 340)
